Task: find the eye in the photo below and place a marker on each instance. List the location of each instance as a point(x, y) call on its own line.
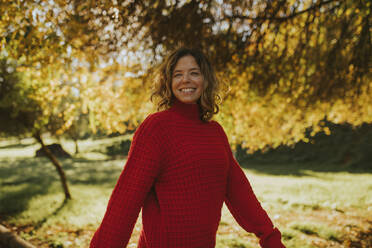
point(177, 75)
point(195, 73)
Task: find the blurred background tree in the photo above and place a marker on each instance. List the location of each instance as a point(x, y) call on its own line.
point(23, 111)
point(289, 64)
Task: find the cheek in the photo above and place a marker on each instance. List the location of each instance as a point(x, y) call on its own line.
point(173, 86)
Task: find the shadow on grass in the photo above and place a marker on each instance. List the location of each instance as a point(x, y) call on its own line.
point(15, 146)
point(98, 172)
point(14, 202)
point(299, 169)
point(40, 223)
point(21, 179)
point(19, 183)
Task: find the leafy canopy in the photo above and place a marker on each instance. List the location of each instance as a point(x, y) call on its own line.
point(289, 64)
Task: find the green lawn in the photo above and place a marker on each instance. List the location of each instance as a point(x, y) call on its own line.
point(311, 207)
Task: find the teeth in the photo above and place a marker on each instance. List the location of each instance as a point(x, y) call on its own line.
point(187, 89)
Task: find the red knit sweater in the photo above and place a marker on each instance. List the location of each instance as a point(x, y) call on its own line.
point(180, 171)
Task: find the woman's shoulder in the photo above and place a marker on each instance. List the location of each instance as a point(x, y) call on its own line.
point(219, 127)
point(216, 124)
point(160, 116)
point(155, 120)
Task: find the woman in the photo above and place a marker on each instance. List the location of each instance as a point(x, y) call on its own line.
point(180, 169)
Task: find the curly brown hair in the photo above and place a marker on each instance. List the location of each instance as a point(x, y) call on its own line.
point(163, 83)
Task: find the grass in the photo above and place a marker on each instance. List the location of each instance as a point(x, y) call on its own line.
point(311, 207)
point(317, 229)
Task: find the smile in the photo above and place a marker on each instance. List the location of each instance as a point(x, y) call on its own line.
point(188, 89)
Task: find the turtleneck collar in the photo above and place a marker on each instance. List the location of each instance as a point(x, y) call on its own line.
point(190, 111)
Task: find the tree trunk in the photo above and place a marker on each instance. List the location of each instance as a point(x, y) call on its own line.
point(11, 240)
point(76, 146)
point(56, 164)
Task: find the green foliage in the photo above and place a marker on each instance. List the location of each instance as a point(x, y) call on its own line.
point(344, 146)
point(119, 148)
point(19, 111)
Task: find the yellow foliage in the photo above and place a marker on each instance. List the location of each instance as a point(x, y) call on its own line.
point(278, 78)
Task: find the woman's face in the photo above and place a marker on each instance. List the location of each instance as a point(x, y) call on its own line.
point(187, 80)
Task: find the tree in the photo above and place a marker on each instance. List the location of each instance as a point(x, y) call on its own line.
point(289, 63)
point(78, 130)
point(22, 113)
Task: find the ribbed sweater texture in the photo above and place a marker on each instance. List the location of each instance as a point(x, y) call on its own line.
point(180, 170)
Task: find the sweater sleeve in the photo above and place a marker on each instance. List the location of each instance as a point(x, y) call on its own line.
point(244, 206)
point(135, 181)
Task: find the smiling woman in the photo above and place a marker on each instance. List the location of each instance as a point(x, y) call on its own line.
point(180, 170)
point(187, 75)
point(187, 80)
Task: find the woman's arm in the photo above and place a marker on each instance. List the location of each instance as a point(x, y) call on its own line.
point(244, 206)
point(141, 169)
point(247, 210)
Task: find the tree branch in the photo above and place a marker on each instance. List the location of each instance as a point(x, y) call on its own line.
point(9, 239)
point(281, 18)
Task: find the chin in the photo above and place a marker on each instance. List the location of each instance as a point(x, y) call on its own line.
point(188, 101)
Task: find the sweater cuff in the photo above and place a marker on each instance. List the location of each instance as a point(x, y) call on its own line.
point(272, 239)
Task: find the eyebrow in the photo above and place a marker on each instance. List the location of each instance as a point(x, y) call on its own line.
point(192, 69)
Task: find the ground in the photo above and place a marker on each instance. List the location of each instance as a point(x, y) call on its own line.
point(313, 206)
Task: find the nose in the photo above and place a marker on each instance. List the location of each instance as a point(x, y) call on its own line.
point(185, 77)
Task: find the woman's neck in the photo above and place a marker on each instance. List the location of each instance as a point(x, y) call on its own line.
point(190, 111)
